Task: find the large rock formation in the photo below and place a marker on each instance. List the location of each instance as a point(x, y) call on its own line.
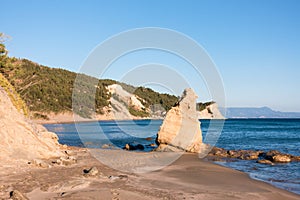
point(181, 128)
point(22, 140)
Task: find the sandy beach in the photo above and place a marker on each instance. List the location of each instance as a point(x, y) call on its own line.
point(186, 178)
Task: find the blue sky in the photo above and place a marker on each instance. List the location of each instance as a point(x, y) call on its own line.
point(254, 44)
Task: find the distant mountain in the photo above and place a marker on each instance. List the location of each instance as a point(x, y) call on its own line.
point(263, 112)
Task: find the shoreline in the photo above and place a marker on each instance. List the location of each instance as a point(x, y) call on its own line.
point(51, 121)
point(41, 122)
point(248, 173)
point(186, 178)
point(67, 118)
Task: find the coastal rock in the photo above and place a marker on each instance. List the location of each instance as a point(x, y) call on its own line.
point(276, 156)
point(17, 195)
point(269, 157)
point(281, 158)
point(105, 146)
point(250, 154)
point(295, 158)
point(264, 161)
point(181, 127)
point(219, 152)
point(130, 147)
point(239, 154)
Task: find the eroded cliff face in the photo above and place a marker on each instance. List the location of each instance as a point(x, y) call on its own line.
point(211, 112)
point(181, 128)
point(21, 139)
point(121, 101)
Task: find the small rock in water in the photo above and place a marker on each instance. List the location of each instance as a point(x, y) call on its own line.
point(219, 152)
point(295, 158)
point(16, 195)
point(264, 161)
point(93, 171)
point(127, 147)
point(281, 158)
point(276, 156)
point(251, 155)
point(105, 146)
point(140, 147)
point(130, 147)
point(148, 138)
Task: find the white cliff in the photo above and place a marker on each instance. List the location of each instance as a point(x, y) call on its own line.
point(210, 112)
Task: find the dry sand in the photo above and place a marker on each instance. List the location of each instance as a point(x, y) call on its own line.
point(187, 178)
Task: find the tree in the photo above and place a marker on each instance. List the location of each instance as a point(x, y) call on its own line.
point(3, 51)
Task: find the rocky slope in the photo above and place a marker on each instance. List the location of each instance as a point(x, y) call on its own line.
point(22, 140)
point(123, 104)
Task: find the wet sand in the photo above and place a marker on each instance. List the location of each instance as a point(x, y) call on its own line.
point(187, 178)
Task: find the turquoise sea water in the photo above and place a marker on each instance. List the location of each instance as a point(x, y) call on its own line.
point(258, 134)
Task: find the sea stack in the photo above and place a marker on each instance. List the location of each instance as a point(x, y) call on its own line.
point(180, 130)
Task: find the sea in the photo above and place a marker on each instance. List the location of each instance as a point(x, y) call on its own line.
point(256, 134)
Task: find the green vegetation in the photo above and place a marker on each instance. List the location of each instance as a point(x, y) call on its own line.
point(5, 84)
point(48, 90)
point(202, 106)
point(51, 90)
point(151, 97)
point(40, 116)
point(13, 95)
point(138, 113)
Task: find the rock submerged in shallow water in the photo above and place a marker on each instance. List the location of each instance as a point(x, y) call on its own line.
point(276, 156)
point(130, 147)
point(262, 157)
point(264, 161)
point(281, 158)
point(180, 130)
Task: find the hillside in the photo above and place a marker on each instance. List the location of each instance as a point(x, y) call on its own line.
point(49, 90)
point(15, 98)
point(47, 93)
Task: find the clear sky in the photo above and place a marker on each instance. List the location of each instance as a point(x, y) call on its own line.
point(255, 44)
